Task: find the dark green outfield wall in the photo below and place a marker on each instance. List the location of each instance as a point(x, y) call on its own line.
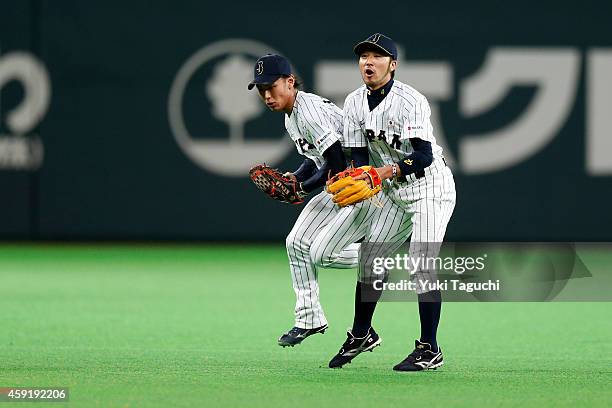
point(120, 120)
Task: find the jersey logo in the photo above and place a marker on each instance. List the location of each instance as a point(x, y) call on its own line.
point(374, 38)
point(382, 137)
point(303, 145)
point(408, 162)
point(259, 68)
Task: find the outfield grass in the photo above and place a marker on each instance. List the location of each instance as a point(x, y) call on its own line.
point(182, 326)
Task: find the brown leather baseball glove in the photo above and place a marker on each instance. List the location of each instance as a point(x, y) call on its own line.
point(276, 185)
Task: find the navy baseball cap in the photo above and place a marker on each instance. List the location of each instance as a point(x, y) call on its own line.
point(378, 42)
point(269, 68)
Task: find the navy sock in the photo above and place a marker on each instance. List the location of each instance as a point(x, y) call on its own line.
point(364, 310)
point(430, 307)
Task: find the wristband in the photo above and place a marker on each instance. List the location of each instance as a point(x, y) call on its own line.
point(300, 191)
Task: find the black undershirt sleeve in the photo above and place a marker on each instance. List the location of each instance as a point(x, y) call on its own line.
point(360, 156)
point(418, 160)
point(306, 170)
point(334, 163)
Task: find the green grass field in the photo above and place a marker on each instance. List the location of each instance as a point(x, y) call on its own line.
point(196, 326)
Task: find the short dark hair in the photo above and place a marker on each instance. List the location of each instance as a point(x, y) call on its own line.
point(298, 82)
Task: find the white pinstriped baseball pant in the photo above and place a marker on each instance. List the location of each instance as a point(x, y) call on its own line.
point(419, 209)
point(323, 236)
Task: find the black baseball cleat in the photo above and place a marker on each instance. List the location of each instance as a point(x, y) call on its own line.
point(353, 346)
point(297, 335)
point(422, 358)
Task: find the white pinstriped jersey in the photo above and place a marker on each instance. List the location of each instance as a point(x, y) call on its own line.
point(314, 125)
point(403, 114)
point(324, 234)
point(420, 207)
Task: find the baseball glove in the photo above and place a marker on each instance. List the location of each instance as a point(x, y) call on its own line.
point(276, 185)
point(348, 191)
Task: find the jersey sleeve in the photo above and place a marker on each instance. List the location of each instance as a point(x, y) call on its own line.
point(352, 135)
point(318, 124)
point(417, 121)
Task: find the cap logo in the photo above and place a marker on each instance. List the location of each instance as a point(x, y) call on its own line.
point(375, 38)
point(259, 68)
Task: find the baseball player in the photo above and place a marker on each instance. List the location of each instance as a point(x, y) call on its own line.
point(389, 121)
point(323, 233)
